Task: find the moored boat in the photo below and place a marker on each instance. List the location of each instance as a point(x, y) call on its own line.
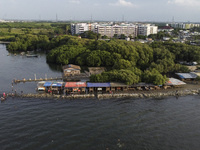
point(40, 86)
point(31, 55)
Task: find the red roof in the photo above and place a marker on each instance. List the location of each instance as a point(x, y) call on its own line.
point(75, 84)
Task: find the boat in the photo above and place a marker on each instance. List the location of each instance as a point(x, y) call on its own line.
point(40, 86)
point(31, 55)
point(22, 53)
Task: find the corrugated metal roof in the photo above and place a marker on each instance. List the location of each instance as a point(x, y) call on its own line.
point(47, 84)
point(71, 66)
point(107, 84)
point(117, 84)
point(143, 84)
point(197, 73)
point(75, 84)
point(57, 84)
point(187, 75)
point(173, 81)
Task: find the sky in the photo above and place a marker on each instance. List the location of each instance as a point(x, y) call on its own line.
point(105, 10)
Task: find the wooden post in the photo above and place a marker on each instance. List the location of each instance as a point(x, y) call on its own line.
point(35, 77)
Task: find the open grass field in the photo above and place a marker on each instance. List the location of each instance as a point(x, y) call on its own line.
point(14, 31)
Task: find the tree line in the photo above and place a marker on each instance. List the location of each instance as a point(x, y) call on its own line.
point(128, 62)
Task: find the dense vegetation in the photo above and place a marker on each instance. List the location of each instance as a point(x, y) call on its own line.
point(9, 31)
point(128, 62)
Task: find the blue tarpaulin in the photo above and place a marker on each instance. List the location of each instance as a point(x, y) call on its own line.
point(98, 84)
point(47, 84)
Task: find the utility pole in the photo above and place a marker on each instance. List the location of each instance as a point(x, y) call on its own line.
point(56, 17)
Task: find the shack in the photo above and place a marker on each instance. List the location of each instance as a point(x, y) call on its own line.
point(71, 70)
point(98, 87)
point(75, 88)
point(116, 86)
point(144, 86)
point(96, 70)
point(57, 87)
point(47, 86)
point(186, 76)
point(174, 82)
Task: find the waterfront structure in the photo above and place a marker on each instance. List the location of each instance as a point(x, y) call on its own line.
point(75, 87)
point(68, 88)
point(187, 76)
point(98, 87)
point(71, 70)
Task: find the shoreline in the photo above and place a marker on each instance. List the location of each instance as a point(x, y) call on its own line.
point(176, 92)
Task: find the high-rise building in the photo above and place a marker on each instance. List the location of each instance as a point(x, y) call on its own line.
point(110, 29)
point(79, 28)
point(147, 29)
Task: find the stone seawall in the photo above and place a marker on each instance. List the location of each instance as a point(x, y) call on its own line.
point(152, 94)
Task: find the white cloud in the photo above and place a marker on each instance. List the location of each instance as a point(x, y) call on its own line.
point(185, 2)
point(123, 3)
point(74, 1)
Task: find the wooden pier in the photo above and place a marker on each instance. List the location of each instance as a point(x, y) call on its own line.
point(35, 80)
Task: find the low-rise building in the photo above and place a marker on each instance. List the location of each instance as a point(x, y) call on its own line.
point(71, 70)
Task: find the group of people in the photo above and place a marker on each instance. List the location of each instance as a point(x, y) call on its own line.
point(3, 97)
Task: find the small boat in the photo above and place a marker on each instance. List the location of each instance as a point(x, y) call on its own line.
point(33, 55)
point(22, 53)
point(40, 86)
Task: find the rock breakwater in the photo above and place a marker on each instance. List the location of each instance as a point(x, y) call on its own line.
point(149, 94)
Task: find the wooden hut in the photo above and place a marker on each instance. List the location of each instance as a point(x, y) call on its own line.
point(174, 82)
point(57, 87)
point(98, 87)
point(186, 76)
point(71, 70)
point(75, 87)
point(96, 70)
point(47, 86)
point(115, 86)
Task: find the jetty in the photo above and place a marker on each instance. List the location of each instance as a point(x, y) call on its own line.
point(35, 80)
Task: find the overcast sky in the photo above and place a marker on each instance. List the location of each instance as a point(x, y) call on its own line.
point(132, 10)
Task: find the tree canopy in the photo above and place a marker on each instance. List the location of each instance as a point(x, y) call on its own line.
point(127, 61)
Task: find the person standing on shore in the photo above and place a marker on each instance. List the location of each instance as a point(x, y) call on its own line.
point(4, 95)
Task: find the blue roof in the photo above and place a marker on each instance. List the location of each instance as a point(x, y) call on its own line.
point(187, 75)
point(47, 84)
point(57, 84)
point(98, 84)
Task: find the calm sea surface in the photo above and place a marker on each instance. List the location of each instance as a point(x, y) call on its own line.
point(90, 124)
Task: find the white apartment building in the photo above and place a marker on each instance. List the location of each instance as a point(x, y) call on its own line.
point(111, 30)
point(184, 25)
point(147, 29)
point(79, 28)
